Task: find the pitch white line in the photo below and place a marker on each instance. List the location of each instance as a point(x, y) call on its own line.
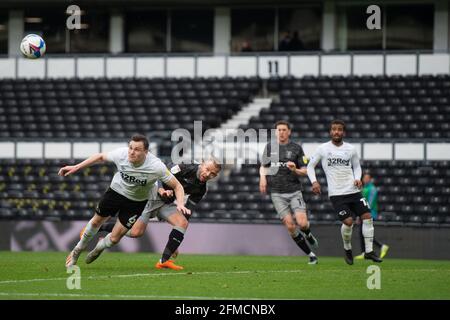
point(136, 275)
point(115, 296)
point(155, 275)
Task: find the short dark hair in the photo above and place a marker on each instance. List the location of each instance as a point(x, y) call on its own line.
point(283, 122)
point(338, 121)
point(140, 138)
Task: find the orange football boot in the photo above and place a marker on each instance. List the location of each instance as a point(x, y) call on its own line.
point(169, 264)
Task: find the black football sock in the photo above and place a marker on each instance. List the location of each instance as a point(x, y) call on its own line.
point(301, 242)
point(307, 232)
point(377, 243)
point(175, 239)
point(107, 227)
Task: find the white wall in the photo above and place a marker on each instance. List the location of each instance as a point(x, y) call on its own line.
point(30, 150)
point(434, 64)
point(83, 150)
point(401, 64)
point(61, 68)
point(7, 149)
point(90, 67)
point(119, 67)
point(409, 151)
point(180, 67)
point(221, 65)
point(438, 151)
point(57, 150)
point(150, 67)
point(211, 67)
point(304, 65)
point(31, 68)
point(7, 68)
point(336, 65)
point(367, 65)
point(377, 151)
point(242, 66)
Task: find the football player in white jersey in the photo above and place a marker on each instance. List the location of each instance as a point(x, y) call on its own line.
point(138, 170)
point(343, 173)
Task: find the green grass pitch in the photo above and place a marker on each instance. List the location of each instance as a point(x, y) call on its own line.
point(42, 275)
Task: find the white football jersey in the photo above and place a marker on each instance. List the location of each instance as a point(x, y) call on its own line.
point(133, 182)
point(341, 166)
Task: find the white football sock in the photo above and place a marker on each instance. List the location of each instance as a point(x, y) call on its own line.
point(368, 232)
point(87, 236)
point(104, 243)
point(346, 233)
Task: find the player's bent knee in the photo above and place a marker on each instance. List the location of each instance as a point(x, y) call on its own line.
point(348, 222)
point(366, 216)
point(182, 222)
point(97, 221)
point(291, 228)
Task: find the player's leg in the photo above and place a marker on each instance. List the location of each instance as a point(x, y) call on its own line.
point(362, 209)
point(110, 240)
point(129, 213)
point(139, 227)
point(108, 205)
point(346, 233)
point(176, 236)
point(282, 203)
point(298, 206)
point(344, 214)
point(361, 240)
point(89, 231)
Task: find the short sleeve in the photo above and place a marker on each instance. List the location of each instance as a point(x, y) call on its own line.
point(164, 174)
point(115, 155)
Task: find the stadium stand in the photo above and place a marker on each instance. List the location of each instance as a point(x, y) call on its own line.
point(412, 192)
point(374, 107)
point(117, 108)
point(381, 107)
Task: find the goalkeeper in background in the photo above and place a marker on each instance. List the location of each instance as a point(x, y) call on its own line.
point(370, 192)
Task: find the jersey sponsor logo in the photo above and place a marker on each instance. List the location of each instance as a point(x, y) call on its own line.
point(338, 162)
point(278, 164)
point(134, 180)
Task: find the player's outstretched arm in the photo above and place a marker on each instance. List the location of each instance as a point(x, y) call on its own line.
point(179, 195)
point(68, 170)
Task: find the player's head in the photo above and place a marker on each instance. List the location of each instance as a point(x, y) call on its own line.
point(337, 130)
point(283, 131)
point(209, 169)
point(137, 149)
point(367, 178)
